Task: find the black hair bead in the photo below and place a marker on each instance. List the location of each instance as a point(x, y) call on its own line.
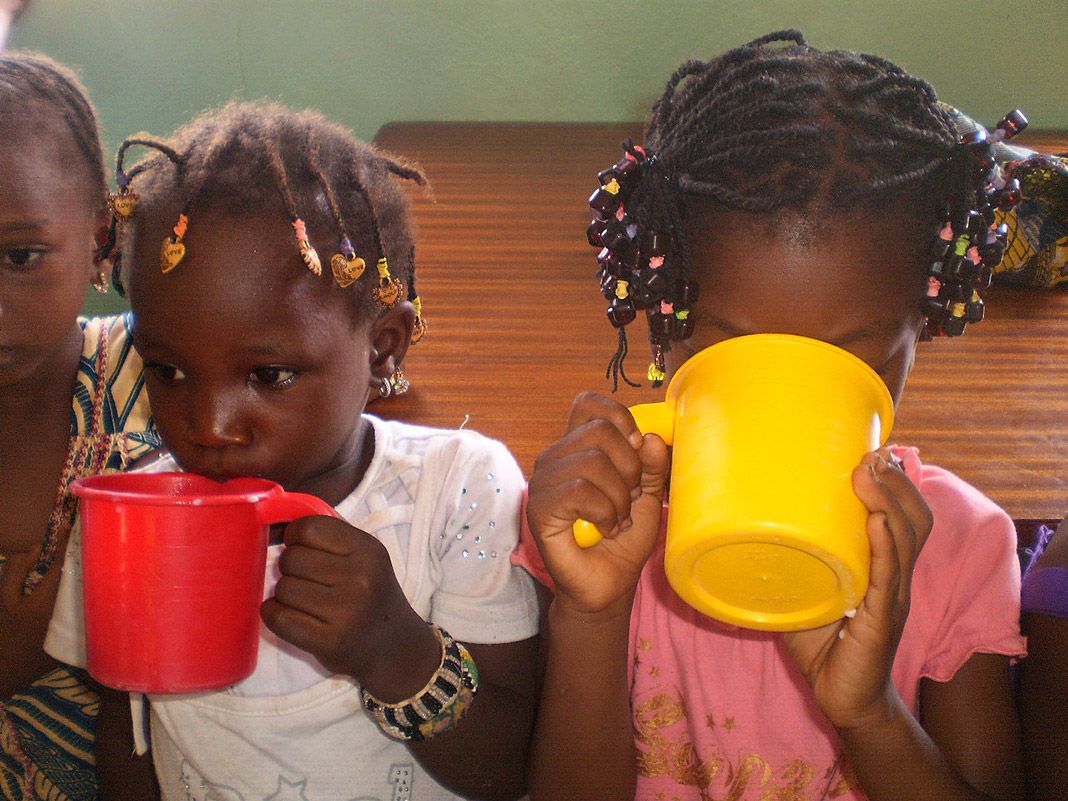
point(615, 235)
point(661, 325)
point(611, 263)
point(604, 202)
point(642, 297)
point(621, 312)
point(626, 170)
point(607, 176)
point(992, 253)
point(974, 311)
point(953, 326)
point(986, 275)
point(683, 328)
point(595, 232)
point(608, 286)
point(656, 281)
point(939, 248)
point(933, 306)
point(1012, 123)
point(1010, 196)
point(686, 292)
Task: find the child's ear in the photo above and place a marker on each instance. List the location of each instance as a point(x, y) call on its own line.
point(391, 333)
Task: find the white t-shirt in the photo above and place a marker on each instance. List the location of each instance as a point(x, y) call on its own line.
point(445, 504)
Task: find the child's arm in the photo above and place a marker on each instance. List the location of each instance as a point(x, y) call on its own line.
point(122, 774)
point(1043, 676)
point(968, 745)
point(339, 599)
point(603, 471)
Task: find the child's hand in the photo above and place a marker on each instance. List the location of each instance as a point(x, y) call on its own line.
point(848, 662)
point(339, 600)
point(603, 471)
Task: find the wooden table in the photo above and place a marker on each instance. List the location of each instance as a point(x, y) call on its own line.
point(517, 327)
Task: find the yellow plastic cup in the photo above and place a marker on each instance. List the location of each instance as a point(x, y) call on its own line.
point(764, 529)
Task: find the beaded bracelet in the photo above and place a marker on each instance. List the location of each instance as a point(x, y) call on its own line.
point(437, 707)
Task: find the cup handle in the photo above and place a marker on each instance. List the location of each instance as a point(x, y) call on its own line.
point(288, 506)
point(651, 418)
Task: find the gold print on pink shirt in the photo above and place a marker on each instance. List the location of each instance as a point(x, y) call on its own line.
point(662, 754)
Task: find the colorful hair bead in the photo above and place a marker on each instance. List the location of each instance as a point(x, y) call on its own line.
point(124, 203)
point(346, 266)
point(308, 253)
point(389, 289)
point(1009, 125)
point(420, 328)
point(173, 249)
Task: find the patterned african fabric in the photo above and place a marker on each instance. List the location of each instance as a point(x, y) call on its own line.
point(1036, 251)
point(46, 730)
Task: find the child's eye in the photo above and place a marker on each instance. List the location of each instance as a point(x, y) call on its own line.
point(167, 373)
point(273, 376)
point(23, 257)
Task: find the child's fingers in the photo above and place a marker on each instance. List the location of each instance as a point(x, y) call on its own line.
point(892, 473)
point(311, 564)
point(884, 584)
point(552, 511)
point(596, 435)
point(590, 406)
point(588, 485)
point(882, 488)
point(304, 595)
point(292, 625)
point(319, 532)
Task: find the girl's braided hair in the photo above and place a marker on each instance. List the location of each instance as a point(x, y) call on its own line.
point(784, 129)
point(244, 156)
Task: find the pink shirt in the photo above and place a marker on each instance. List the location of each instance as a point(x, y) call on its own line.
point(721, 712)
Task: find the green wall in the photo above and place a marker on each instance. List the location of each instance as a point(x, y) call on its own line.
point(151, 65)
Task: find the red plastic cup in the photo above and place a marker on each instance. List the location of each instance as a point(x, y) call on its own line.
point(174, 567)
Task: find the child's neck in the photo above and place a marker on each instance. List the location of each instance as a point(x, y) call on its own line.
point(336, 483)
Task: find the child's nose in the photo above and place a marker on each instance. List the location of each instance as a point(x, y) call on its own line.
point(216, 422)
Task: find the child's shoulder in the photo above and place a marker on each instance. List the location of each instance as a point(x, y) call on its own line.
point(451, 445)
point(953, 501)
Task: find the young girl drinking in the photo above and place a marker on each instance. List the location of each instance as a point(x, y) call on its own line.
point(823, 195)
point(397, 656)
point(70, 405)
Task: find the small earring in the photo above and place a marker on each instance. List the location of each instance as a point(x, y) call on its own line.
point(386, 389)
point(400, 382)
point(100, 283)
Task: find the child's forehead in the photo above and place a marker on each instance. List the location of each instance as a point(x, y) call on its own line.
point(836, 264)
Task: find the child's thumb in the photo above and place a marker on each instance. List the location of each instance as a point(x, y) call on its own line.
point(656, 461)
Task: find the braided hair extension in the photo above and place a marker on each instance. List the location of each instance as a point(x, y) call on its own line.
point(776, 126)
point(33, 84)
point(237, 156)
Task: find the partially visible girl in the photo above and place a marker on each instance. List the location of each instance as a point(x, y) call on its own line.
point(398, 654)
point(826, 195)
point(1042, 676)
point(71, 404)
